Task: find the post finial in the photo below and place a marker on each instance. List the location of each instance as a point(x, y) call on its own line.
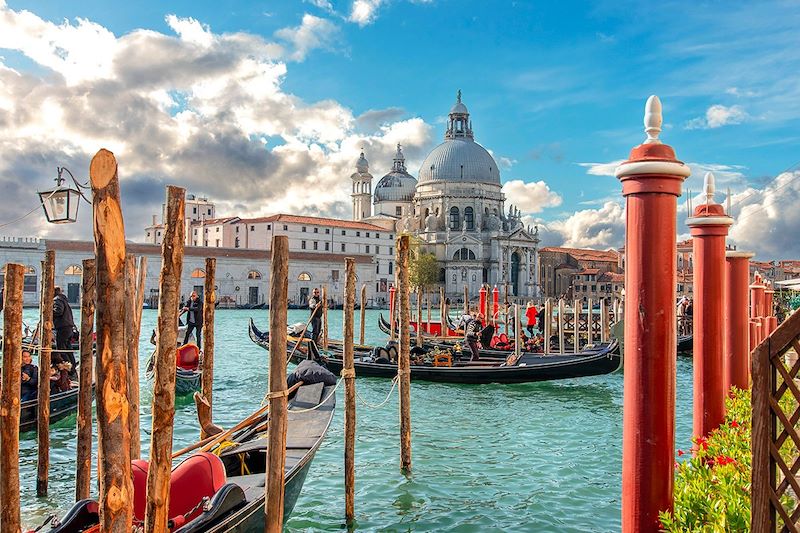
point(708, 187)
point(652, 120)
point(458, 96)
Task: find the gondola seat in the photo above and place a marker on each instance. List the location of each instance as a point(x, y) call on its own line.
point(139, 473)
point(188, 357)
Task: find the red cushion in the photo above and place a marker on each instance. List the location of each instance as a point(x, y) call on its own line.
point(202, 474)
point(139, 471)
point(188, 357)
point(504, 338)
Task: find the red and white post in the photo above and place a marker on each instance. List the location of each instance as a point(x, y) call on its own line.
point(757, 308)
point(651, 183)
point(737, 328)
point(709, 228)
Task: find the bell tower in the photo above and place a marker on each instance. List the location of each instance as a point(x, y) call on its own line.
point(362, 189)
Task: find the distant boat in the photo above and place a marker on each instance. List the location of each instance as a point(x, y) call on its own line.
point(62, 404)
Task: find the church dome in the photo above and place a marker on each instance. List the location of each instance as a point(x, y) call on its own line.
point(459, 158)
point(398, 185)
point(362, 169)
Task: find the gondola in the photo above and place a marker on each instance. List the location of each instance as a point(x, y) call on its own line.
point(225, 492)
point(62, 404)
point(384, 326)
point(591, 361)
point(684, 343)
point(188, 372)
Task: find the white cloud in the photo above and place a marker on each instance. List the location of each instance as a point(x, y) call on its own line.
point(717, 116)
point(531, 197)
point(593, 228)
point(191, 109)
point(313, 32)
point(602, 169)
point(364, 12)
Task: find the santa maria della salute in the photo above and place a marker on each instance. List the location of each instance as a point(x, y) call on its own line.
point(456, 208)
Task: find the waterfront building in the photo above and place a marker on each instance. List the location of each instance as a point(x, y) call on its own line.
point(562, 268)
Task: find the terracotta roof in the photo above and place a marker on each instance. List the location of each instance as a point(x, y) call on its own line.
point(566, 265)
point(584, 254)
point(685, 277)
point(318, 221)
point(212, 221)
point(612, 276)
point(206, 251)
point(588, 271)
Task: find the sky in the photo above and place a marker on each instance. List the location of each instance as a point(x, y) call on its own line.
point(265, 106)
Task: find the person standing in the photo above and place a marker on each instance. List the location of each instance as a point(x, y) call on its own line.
point(194, 319)
point(64, 325)
point(472, 331)
point(315, 304)
point(29, 387)
point(530, 315)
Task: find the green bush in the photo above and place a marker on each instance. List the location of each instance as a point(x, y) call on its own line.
point(712, 490)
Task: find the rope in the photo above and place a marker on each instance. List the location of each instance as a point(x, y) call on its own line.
point(277, 394)
point(320, 403)
point(379, 405)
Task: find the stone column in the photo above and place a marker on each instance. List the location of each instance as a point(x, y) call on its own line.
point(651, 183)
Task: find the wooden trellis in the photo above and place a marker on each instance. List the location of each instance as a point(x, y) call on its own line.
point(776, 442)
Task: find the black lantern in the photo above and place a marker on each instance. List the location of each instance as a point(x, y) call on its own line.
point(61, 203)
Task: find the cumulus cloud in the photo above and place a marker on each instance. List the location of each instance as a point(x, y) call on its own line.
point(717, 116)
point(531, 197)
point(203, 110)
point(364, 12)
point(313, 32)
point(593, 228)
point(602, 169)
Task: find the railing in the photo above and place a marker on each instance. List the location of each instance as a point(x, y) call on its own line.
point(775, 439)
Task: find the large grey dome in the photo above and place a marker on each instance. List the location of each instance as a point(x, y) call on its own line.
point(398, 185)
point(460, 159)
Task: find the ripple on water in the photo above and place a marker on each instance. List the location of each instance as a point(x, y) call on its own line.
point(505, 458)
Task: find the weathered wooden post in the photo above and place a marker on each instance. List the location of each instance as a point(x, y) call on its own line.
point(466, 299)
point(158, 474)
point(419, 316)
point(45, 354)
point(428, 310)
point(505, 306)
point(349, 375)
point(651, 183)
point(83, 461)
point(442, 312)
point(517, 333)
point(404, 364)
point(210, 301)
point(548, 324)
point(324, 316)
point(114, 447)
point(590, 322)
point(363, 312)
point(276, 450)
point(132, 354)
point(737, 329)
point(709, 227)
point(603, 321)
point(133, 369)
point(577, 309)
point(10, 398)
point(561, 325)
point(392, 311)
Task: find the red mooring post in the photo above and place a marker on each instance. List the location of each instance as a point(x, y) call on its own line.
point(482, 301)
point(709, 228)
point(495, 304)
point(757, 307)
point(737, 327)
point(769, 294)
point(651, 183)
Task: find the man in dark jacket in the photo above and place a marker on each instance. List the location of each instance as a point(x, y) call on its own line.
point(30, 378)
point(64, 325)
point(472, 331)
point(315, 305)
point(194, 318)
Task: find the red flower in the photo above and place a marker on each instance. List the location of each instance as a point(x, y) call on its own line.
point(734, 424)
point(702, 442)
point(680, 452)
point(723, 460)
point(677, 465)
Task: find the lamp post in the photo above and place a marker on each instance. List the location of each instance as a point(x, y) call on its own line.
point(61, 203)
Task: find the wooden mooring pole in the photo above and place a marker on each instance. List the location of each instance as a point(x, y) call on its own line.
point(419, 316)
point(207, 377)
point(442, 312)
point(363, 312)
point(45, 355)
point(132, 354)
point(114, 449)
point(136, 441)
point(404, 364)
point(276, 449)
point(548, 324)
point(561, 325)
point(603, 321)
point(169, 290)
point(325, 317)
point(349, 375)
point(466, 299)
point(10, 398)
point(83, 461)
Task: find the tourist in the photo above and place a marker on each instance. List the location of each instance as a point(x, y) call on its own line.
point(30, 378)
point(59, 375)
point(64, 325)
point(194, 319)
point(472, 330)
point(540, 319)
point(315, 304)
point(530, 315)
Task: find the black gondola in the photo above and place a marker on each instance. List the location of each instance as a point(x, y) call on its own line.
point(685, 345)
point(591, 361)
point(226, 492)
point(62, 404)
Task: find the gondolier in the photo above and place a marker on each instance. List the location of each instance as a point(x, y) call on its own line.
point(194, 319)
point(64, 325)
point(315, 305)
point(472, 331)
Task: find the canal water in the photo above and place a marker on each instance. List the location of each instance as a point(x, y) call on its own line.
point(529, 457)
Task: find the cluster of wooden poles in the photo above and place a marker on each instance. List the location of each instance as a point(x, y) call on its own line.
point(762, 313)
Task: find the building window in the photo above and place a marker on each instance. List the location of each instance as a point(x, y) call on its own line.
point(209, 212)
point(237, 229)
point(368, 248)
point(253, 228)
point(73, 270)
point(316, 230)
point(29, 281)
point(455, 218)
point(327, 231)
point(254, 274)
point(334, 275)
point(195, 232)
point(316, 245)
point(304, 276)
point(236, 242)
point(302, 245)
point(377, 250)
point(217, 243)
point(198, 273)
point(343, 247)
point(398, 211)
point(391, 265)
point(358, 234)
point(327, 246)
point(194, 210)
point(464, 254)
point(344, 232)
point(217, 229)
point(285, 227)
point(390, 252)
point(469, 218)
point(377, 268)
point(367, 235)
point(304, 229)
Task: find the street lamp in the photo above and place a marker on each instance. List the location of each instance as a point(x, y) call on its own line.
point(61, 203)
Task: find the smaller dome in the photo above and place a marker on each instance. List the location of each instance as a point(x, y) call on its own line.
point(459, 108)
point(362, 165)
point(395, 187)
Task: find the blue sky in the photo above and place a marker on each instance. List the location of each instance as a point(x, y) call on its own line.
point(556, 92)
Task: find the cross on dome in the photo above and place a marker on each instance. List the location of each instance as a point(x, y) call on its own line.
point(399, 164)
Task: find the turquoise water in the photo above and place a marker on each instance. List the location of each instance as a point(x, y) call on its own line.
point(530, 457)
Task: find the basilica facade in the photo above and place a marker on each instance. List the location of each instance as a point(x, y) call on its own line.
point(456, 209)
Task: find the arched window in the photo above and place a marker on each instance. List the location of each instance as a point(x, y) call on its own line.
point(198, 273)
point(455, 218)
point(254, 274)
point(469, 218)
point(73, 270)
point(304, 276)
point(464, 254)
